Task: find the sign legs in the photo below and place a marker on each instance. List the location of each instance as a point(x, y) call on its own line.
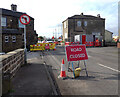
point(85, 68)
point(73, 69)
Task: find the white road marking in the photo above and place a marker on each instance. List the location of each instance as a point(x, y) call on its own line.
point(108, 67)
point(89, 56)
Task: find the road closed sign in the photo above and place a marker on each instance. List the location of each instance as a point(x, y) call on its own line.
point(76, 53)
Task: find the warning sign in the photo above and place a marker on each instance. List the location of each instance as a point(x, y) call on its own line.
point(76, 53)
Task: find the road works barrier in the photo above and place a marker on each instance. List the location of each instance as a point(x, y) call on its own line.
point(67, 43)
point(97, 43)
point(88, 44)
point(75, 43)
point(43, 46)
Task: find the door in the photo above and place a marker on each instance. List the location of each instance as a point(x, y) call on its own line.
point(83, 39)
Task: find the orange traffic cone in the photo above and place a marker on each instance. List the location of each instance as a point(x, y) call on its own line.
point(62, 74)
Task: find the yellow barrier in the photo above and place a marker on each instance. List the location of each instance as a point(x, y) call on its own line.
point(31, 47)
point(52, 46)
point(43, 46)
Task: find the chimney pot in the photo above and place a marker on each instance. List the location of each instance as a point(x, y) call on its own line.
point(98, 15)
point(14, 7)
point(81, 13)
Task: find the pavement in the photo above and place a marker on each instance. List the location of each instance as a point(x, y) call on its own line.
point(32, 79)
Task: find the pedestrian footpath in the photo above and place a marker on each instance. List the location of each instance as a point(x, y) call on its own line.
point(32, 78)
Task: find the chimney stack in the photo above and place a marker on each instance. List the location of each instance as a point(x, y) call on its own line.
point(81, 13)
point(98, 15)
point(14, 7)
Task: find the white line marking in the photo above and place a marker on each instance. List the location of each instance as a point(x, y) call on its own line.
point(89, 56)
point(108, 67)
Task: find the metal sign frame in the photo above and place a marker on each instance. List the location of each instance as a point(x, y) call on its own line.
point(79, 61)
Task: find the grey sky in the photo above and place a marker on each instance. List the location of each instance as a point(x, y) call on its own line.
point(49, 14)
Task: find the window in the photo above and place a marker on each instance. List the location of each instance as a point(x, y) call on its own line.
point(3, 21)
point(66, 35)
point(6, 39)
point(85, 23)
point(20, 24)
point(78, 23)
point(13, 38)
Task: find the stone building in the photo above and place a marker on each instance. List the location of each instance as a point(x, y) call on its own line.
point(13, 31)
point(108, 36)
point(88, 27)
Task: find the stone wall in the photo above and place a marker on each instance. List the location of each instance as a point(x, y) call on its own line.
point(11, 62)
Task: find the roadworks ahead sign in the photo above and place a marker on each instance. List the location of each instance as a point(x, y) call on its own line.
point(76, 53)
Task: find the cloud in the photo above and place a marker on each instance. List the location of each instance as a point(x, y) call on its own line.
point(49, 13)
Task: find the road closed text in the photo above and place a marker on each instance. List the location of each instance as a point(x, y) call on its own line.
point(76, 53)
point(77, 56)
point(76, 49)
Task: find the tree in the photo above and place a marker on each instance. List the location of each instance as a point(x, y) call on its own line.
point(40, 38)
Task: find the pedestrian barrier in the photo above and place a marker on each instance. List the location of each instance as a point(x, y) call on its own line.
point(87, 43)
point(67, 43)
point(74, 43)
point(47, 46)
point(43, 46)
point(98, 43)
point(90, 44)
point(52, 46)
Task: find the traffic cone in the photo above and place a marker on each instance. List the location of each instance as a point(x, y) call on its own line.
point(62, 74)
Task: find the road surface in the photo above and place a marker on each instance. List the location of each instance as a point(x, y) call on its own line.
point(102, 67)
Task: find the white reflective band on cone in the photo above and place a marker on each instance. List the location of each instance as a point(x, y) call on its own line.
point(62, 67)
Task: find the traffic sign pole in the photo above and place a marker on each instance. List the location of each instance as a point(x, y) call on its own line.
point(25, 19)
point(25, 49)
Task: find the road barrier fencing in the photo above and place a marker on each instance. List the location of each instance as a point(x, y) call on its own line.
point(88, 44)
point(43, 46)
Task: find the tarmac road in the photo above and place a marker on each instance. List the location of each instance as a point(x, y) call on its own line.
point(102, 67)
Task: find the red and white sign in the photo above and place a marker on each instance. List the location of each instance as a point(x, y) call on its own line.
point(76, 53)
point(25, 19)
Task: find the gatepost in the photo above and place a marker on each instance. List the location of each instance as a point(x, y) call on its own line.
point(76, 53)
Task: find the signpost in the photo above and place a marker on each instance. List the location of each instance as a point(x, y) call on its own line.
point(76, 53)
point(25, 19)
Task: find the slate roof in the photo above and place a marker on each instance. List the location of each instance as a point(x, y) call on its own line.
point(108, 31)
point(12, 13)
point(84, 17)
